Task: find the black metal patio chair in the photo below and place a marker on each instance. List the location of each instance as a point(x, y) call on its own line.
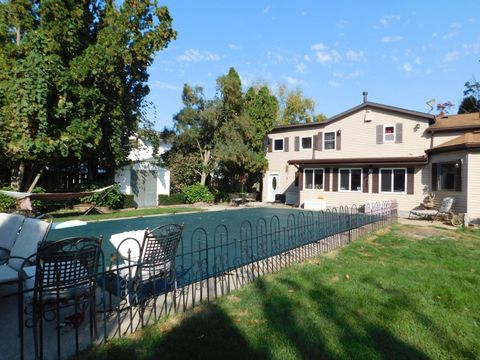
point(139, 279)
point(65, 276)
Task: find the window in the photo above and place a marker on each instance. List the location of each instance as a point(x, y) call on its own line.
point(388, 133)
point(306, 143)
point(393, 180)
point(313, 179)
point(278, 145)
point(350, 179)
point(449, 176)
point(329, 140)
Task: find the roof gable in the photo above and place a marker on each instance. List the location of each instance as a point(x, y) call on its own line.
point(363, 106)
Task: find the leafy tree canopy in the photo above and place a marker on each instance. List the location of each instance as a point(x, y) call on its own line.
point(73, 79)
point(471, 100)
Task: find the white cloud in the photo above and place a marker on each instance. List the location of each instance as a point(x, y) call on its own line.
point(324, 55)
point(471, 20)
point(455, 25)
point(166, 86)
point(319, 46)
point(267, 9)
point(473, 48)
point(303, 13)
point(348, 75)
point(294, 81)
point(449, 35)
point(418, 60)
point(307, 58)
point(334, 83)
point(390, 39)
point(300, 68)
point(198, 55)
point(276, 57)
point(232, 46)
point(406, 67)
point(353, 55)
point(451, 56)
point(387, 19)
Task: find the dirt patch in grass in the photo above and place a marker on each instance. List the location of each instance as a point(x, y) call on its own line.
point(422, 232)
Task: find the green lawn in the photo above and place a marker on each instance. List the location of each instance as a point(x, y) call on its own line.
point(401, 294)
point(64, 216)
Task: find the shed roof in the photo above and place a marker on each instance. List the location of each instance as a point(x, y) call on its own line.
point(468, 140)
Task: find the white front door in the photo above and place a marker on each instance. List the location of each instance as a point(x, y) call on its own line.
point(273, 185)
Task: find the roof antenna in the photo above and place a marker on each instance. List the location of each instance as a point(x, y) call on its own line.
point(365, 94)
point(430, 104)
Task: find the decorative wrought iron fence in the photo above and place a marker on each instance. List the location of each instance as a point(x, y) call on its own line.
point(207, 265)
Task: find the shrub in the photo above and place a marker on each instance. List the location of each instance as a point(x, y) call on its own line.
point(173, 199)
point(129, 202)
point(6, 202)
point(38, 205)
point(113, 199)
point(197, 193)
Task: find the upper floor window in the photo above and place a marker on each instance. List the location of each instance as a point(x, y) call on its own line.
point(278, 145)
point(388, 133)
point(393, 180)
point(350, 179)
point(306, 143)
point(313, 179)
point(329, 140)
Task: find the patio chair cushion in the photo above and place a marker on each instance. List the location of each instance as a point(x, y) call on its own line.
point(7, 274)
point(128, 241)
point(424, 212)
point(33, 231)
point(9, 226)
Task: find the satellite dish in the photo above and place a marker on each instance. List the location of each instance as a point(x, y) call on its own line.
point(430, 103)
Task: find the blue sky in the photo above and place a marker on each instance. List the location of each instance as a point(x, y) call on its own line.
point(402, 52)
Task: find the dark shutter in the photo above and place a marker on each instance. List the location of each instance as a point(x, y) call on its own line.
point(458, 177)
point(434, 176)
point(338, 141)
point(365, 180)
point(335, 179)
point(269, 144)
point(300, 179)
point(297, 143)
point(315, 142)
point(285, 144)
point(375, 181)
point(410, 179)
point(399, 133)
point(320, 141)
point(379, 134)
point(327, 180)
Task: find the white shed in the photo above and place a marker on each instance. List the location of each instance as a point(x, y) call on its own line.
point(142, 178)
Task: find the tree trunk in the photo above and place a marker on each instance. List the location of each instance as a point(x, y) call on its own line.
point(18, 174)
point(205, 161)
point(35, 181)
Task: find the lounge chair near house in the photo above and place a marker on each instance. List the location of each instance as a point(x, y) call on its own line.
point(432, 214)
point(143, 269)
point(32, 232)
point(10, 225)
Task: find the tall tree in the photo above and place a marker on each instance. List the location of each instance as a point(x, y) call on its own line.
point(73, 79)
point(471, 100)
point(294, 107)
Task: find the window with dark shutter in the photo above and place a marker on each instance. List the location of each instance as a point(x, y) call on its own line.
point(399, 133)
point(379, 134)
point(375, 180)
point(410, 179)
point(365, 180)
point(335, 179)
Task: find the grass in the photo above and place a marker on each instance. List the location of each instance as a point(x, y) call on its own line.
point(400, 294)
point(64, 216)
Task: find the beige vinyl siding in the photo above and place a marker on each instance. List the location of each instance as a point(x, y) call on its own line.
point(406, 202)
point(358, 139)
point(443, 137)
point(460, 197)
point(474, 187)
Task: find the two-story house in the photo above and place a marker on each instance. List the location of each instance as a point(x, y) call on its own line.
point(376, 152)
